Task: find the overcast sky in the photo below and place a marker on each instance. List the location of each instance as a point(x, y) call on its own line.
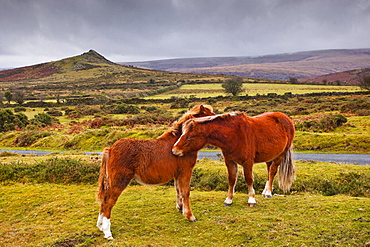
point(37, 31)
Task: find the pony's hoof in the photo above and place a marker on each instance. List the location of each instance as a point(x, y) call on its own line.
point(227, 204)
point(109, 238)
point(251, 204)
point(192, 219)
point(268, 196)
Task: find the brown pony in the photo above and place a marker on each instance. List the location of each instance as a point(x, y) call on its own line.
point(150, 162)
point(245, 140)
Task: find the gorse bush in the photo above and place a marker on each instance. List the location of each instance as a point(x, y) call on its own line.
point(29, 137)
point(44, 119)
point(180, 103)
point(11, 121)
point(125, 108)
point(325, 123)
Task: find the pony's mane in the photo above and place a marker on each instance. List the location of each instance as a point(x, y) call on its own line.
point(218, 117)
point(190, 114)
point(207, 119)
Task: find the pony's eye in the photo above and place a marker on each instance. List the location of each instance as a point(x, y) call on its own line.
point(188, 138)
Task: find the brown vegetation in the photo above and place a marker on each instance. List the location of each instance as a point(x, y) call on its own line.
point(276, 67)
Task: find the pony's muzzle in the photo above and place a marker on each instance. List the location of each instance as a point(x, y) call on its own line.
point(176, 152)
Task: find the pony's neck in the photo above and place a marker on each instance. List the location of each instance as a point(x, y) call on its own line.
point(219, 134)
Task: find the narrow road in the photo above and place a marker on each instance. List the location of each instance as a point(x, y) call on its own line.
point(360, 159)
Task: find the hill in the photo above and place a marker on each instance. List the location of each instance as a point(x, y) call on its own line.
point(275, 67)
point(91, 74)
point(350, 77)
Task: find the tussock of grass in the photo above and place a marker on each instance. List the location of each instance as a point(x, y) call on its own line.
point(53, 170)
point(208, 175)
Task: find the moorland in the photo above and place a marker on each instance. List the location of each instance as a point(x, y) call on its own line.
point(51, 200)
point(274, 67)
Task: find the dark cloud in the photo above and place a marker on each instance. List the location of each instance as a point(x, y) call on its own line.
point(133, 30)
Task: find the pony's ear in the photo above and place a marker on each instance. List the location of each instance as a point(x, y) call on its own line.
point(202, 109)
point(192, 124)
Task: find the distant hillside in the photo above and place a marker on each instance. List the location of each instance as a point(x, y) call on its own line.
point(86, 61)
point(276, 67)
point(91, 74)
point(350, 77)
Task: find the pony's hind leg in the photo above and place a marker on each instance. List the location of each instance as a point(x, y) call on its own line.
point(108, 201)
point(272, 170)
point(267, 191)
point(232, 168)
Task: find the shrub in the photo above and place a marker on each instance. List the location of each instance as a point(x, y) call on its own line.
point(157, 118)
point(363, 112)
point(55, 113)
point(211, 101)
point(326, 123)
point(330, 122)
point(233, 86)
point(9, 121)
point(180, 103)
point(125, 108)
point(150, 108)
point(19, 109)
point(30, 137)
point(44, 119)
point(357, 106)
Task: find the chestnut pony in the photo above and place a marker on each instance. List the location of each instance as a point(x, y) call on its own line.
point(149, 162)
point(245, 140)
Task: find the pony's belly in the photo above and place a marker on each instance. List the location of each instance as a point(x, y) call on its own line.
point(152, 181)
point(266, 157)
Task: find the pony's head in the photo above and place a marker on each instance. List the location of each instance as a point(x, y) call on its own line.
point(195, 112)
point(192, 139)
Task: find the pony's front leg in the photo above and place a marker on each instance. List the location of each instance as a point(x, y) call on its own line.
point(248, 176)
point(184, 188)
point(104, 225)
point(232, 168)
point(179, 200)
point(104, 222)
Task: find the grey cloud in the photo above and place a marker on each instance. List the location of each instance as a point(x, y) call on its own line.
point(132, 30)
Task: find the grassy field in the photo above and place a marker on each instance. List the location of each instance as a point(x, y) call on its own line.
point(65, 213)
point(55, 215)
point(214, 90)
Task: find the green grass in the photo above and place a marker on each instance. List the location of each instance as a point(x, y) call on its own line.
point(35, 212)
point(214, 90)
point(52, 215)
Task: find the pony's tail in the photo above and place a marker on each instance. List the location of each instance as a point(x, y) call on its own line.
point(103, 177)
point(286, 171)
